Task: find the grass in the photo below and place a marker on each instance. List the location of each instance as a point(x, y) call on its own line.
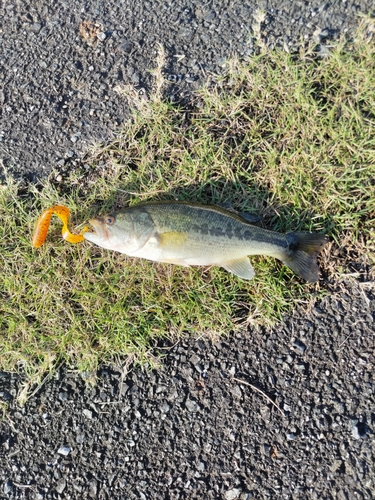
point(288, 137)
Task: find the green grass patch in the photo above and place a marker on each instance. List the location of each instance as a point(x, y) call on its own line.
point(288, 137)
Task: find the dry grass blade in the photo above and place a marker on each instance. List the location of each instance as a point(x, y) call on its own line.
point(260, 392)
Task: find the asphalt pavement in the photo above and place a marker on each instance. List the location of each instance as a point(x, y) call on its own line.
point(281, 413)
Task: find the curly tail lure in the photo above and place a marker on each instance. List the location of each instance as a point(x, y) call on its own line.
point(42, 225)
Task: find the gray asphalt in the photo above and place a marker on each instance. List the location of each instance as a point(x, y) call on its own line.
point(58, 89)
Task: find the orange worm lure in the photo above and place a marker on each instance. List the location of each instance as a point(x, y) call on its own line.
point(42, 225)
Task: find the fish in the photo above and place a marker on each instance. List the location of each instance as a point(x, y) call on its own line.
point(192, 234)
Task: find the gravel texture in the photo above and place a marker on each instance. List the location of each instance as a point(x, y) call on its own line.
point(194, 430)
point(188, 430)
point(61, 61)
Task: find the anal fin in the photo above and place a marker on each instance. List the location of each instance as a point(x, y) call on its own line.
point(240, 267)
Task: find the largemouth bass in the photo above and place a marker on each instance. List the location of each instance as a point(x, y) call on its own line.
point(191, 234)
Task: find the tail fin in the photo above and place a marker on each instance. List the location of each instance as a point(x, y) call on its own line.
point(301, 253)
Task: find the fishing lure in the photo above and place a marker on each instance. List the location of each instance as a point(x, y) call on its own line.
point(42, 225)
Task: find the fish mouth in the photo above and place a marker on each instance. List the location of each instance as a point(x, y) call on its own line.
point(98, 228)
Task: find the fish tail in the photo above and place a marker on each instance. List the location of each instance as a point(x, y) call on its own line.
point(301, 254)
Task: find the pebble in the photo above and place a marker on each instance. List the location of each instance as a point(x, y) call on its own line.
point(267, 450)
point(64, 450)
point(125, 47)
point(232, 371)
point(63, 396)
point(192, 406)
point(8, 487)
point(232, 494)
point(359, 429)
point(5, 396)
point(173, 78)
point(354, 428)
point(93, 488)
point(36, 27)
point(164, 408)
point(80, 438)
point(236, 391)
point(87, 413)
point(194, 359)
point(60, 486)
point(74, 138)
point(324, 51)
point(300, 346)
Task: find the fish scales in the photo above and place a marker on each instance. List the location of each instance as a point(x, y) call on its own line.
point(213, 224)
point(194, 234)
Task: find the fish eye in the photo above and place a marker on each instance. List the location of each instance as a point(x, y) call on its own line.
point(110, 220)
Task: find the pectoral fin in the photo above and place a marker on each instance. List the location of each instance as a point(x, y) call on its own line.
point(240, 267)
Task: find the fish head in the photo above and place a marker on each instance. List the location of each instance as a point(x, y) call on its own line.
point(120, 232)
point(111, 234)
